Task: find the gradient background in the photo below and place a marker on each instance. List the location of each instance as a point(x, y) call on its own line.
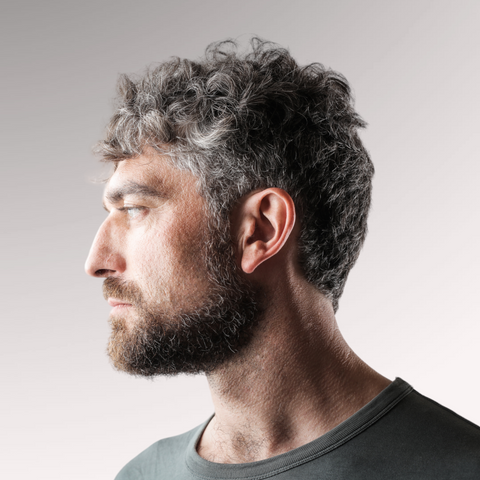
point(411, 304)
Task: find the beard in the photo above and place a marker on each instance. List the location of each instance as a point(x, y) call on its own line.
point(192, 341)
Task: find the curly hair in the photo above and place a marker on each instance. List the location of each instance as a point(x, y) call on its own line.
point(251, 120)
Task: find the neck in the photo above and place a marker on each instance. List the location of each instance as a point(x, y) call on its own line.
point(296, 381)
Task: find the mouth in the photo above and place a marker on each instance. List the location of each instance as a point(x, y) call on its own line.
point(118, 304)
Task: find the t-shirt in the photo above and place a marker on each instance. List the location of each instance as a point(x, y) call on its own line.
point(400, 434)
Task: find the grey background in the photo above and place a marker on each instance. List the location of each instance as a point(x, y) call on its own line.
point(411, 304)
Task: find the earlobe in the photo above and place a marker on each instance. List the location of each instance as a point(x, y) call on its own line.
point(267, 220)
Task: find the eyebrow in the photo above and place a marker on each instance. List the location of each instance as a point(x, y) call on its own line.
point(131, 188)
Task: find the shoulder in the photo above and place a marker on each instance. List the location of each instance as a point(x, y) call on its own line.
point(422, 437)
point(163, 459)
point(402, 434)
point(425, 415)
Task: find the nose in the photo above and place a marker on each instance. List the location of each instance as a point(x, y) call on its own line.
point(105, 258)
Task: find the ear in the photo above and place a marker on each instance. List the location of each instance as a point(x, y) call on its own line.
point(264, 221)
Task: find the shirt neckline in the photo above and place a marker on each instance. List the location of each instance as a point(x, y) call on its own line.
point(342, 433)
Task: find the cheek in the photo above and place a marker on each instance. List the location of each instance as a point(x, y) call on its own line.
point(146, 252)
point(167, 263)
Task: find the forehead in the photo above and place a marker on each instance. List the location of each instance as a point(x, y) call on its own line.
point(154, 171)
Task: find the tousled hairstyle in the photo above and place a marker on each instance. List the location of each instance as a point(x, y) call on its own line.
point(252, 120)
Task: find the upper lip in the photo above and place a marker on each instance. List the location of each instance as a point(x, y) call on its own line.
point(115, 302)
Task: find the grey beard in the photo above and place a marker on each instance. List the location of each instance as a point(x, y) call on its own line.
point(190, 341)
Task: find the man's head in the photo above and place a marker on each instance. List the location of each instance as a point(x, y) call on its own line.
point(234, 124)
point(246, 122)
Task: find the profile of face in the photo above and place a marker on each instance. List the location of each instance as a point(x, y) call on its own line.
point(180, 304)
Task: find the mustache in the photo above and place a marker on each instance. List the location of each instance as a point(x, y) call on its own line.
point(122, 290)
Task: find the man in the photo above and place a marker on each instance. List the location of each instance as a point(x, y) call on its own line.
point(237, 207)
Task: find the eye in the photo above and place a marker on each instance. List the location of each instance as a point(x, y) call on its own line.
point(134, 212)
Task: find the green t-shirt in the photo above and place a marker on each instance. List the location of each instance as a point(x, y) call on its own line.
point(400, 434)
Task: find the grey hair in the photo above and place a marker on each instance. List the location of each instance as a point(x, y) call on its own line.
point(246, 121)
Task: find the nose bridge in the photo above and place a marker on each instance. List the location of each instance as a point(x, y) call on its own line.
point(104, 255)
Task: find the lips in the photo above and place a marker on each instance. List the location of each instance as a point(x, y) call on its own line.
point(113, 302)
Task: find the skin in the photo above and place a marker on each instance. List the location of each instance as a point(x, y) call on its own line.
point(298, 378)
point(151, 240)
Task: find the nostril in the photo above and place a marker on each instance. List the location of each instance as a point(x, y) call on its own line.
point(103, 272)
